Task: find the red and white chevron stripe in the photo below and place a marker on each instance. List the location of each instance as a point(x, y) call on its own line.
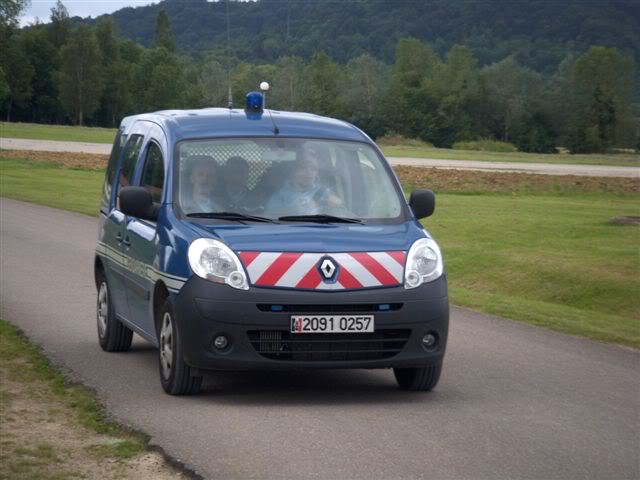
point(300, 270)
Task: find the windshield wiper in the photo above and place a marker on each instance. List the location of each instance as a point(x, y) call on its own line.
point(320, 218)
point(230, 216)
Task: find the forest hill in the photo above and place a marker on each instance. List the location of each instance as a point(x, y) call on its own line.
point(86, 74)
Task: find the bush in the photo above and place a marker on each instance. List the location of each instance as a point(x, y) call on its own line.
point(535, 135)
point(485, 145)
point(393, 140)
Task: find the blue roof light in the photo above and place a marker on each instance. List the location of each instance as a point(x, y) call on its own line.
point(255, 103)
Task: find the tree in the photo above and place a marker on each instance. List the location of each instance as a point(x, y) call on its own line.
point(511, 94)
point(604, 83)
point(81, 80)
point(10, 11)
point(14, 60)
point(289, 84)
point(163, 36)
point(60, 26)
point(4, 86)
point(45, 60)
point(408, 109)
point(323, 96)
point(116, 98)
point(456, 86)
point(365, 84)
point(597, 93)
point(158, 81)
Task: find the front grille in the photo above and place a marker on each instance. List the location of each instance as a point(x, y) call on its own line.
point(319, 347)
point(330, 308)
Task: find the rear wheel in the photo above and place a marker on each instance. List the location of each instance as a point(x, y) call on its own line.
point(176, 376)
point(112, 334)
point(418, 379)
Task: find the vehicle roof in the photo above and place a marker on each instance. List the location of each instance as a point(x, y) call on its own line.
point(224, 122)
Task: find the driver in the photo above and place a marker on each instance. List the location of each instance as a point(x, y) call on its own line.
point(303, 194)
point(202, 173)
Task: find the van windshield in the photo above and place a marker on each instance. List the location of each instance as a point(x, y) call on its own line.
point(285, 179)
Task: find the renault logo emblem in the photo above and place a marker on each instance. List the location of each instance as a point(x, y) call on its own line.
point(327, 268)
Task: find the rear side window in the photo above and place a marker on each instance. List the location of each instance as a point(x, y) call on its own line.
point(130, 156)
point(111, 170)
point(153, 173)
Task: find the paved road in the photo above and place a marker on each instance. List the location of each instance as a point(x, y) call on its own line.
point(54, 146)
point(514, 402)
point(538, 168)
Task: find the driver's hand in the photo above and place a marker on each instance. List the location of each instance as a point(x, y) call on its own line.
point(334, 201)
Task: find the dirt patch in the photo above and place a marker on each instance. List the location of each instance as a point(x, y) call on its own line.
point(41, 435)
point(67, 159)
point(501, 182)
point(626, 220)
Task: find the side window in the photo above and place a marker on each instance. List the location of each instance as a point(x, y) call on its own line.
point(130, 156)
point(153, 173)
point(131, 153)
point(111, 170)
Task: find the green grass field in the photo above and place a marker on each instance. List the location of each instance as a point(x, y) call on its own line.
point(61, 133)
point(545, 258)
point(623, 160)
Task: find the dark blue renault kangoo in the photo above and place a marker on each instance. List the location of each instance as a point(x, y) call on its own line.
point(258, 239)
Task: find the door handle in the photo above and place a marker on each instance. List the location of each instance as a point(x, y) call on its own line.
point(126, 241)
point(119, 237)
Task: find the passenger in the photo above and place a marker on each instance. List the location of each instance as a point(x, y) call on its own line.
point(200, 194)
point(302, 194)
point(234, 189)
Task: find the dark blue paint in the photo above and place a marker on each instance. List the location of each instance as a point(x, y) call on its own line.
point(163, 246)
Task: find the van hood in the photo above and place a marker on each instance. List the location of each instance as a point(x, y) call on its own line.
point(311, 237)
point(319, 256)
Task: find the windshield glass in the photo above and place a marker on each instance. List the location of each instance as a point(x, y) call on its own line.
point(274, 178)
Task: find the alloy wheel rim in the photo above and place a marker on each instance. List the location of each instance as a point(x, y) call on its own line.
point(166, 345)
point(103, 309)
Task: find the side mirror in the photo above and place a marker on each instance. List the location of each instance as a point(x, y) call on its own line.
point(422, 202)
point(137, 202)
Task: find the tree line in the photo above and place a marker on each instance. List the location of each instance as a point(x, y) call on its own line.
point(61, 72)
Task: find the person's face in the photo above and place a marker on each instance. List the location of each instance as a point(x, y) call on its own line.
point(202, 177)
point(305, 177)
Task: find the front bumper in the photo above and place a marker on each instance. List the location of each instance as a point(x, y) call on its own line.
point(204, 310)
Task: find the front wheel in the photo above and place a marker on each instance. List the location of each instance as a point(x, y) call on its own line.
point(418, 379)
point(176, 376)
point(112, 334)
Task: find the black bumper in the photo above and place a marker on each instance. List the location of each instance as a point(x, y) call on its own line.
point(204, 310)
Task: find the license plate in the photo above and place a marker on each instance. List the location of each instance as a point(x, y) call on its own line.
point(332, 323)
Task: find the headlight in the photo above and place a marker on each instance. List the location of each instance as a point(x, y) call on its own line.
point(213, 260)
point(424, 263)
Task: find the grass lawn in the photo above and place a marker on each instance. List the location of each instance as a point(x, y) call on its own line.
point(617, 159)
point(546, 255)
point(51, 184)
point(550, 260)
point(57, 132)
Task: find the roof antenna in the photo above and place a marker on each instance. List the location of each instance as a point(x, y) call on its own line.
point(230, 94)
point(264, 86)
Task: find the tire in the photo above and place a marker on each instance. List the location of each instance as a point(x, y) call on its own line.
point(418, 379)
point(113, 336)
point(176, 377)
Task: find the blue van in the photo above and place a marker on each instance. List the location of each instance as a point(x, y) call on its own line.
point(257, 239)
